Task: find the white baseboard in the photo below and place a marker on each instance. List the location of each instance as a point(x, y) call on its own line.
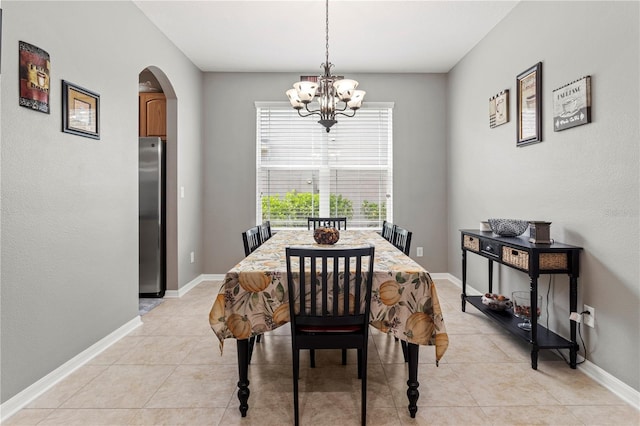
point(621, 389)
point(440, 275)
point(456, 281)
point(22, 399)
point(613, 384)
point(175, 294)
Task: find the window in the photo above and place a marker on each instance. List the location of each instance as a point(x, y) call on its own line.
point(304, 171)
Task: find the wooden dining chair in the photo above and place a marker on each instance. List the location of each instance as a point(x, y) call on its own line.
point(387, 231)
point(321, 316)
point(402, 239)
point(252, 239)
point(331, 222)
point(265, 230)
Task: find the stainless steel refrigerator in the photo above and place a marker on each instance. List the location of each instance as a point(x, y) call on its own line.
point(152, 228)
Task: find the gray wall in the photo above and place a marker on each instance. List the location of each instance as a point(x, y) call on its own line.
point(418, 157)
point(70, 204)
point(584, 180)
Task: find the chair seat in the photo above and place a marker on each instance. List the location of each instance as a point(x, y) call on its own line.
point(325, 329)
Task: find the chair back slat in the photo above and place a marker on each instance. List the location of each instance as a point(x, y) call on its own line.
point(330, 222)
point(358, 283)
point(314, 287)
point(251, 239)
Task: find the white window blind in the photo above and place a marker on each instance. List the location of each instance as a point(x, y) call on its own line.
point(304, 171)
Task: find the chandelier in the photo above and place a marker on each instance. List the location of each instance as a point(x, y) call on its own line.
point(335, 95)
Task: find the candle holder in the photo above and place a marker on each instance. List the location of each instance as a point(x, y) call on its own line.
point(539, 232)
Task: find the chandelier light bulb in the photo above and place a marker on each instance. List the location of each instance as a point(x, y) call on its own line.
point(356, 99)
point(294, 99)
point(345, 88)
point(306, 90)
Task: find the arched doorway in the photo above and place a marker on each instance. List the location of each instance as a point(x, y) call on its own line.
point(158, 119)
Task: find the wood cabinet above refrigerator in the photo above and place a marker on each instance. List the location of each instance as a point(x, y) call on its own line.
point(153, 115)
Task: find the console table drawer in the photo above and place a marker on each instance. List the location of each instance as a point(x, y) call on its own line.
point(515, 257)
point(471, 243)
point(492, 248)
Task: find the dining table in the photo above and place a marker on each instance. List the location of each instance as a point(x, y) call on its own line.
point(253, 300)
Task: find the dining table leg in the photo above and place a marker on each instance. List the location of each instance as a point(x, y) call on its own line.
point(412, 383)
point(243, 375)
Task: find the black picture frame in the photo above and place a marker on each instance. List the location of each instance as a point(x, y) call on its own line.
point(80, 111)
point(529, 106)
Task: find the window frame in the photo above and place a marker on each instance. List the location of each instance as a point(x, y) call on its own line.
point(388, 106)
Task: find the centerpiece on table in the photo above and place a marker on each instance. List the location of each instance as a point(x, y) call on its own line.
point(324, 235)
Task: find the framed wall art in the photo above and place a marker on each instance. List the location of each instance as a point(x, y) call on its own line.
point(529, 106)
point(572, 104)
point(499, 109)
point(34, 72)
point(80, 111)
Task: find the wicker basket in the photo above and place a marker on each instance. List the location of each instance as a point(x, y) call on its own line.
point(471, 243)
point(514, 257)
point(551, 261)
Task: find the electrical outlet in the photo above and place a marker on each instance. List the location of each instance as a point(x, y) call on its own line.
point(193, 257)
point(419, 252)
point(590, 318)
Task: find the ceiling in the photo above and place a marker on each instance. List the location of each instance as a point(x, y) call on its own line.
point(383, 36)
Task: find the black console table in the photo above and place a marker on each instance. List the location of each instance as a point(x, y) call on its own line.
point(533, 259)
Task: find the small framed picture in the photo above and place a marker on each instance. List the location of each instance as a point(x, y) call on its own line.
point(529, 99)
point(80, 111)
point(35, 72)
point(499, 109)
point(572, 104)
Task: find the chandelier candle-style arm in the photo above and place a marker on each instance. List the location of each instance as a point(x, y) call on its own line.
point(335, 95)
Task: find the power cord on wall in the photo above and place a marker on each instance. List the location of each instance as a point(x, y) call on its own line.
point(579, 327)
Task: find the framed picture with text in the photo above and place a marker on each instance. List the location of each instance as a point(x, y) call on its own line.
point(529, 106)
point(572, 104)
point(80, 111)
point(34, 74)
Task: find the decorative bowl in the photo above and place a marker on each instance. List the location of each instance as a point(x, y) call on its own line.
point(508, 227)
point(324, 235)
point(496, 302)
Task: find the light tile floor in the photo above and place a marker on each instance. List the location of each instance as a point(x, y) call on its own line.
point(169, 371)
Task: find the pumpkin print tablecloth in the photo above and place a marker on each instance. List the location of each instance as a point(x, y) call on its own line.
point(253, 298)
